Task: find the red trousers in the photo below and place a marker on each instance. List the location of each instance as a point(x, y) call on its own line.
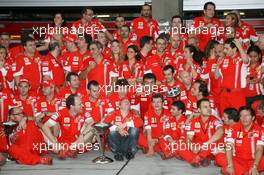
point(242, 166)
point(228, 99)
point(3, 144)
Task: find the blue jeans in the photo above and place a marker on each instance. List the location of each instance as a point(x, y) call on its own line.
point(123, 144)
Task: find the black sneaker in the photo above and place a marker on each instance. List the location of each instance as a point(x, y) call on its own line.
point(206, 162)
point(119, 157)
point(129, 155)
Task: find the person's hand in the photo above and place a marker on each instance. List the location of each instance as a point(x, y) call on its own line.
point(92, 65)
point(230, 170)
point(237, 43)
point(22, 124)
point(122, 132)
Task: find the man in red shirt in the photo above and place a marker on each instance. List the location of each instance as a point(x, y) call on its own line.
point(208, 23)
point(47, 104)
point(72, 59)
point(145, 25)
point(233, 72)
point(230, 118)
point(125, 38)
point(173, 130)
point(119, 22)
point(87, 24)
point(244, 150)
point(101, 37)
point(203, 134)
point(75, 126)
point(159, 59)
point(98, 68)
point(199, 90)
point(153, 124)
point(124, 131)
point(26, 140)
point(145, 48)
point(24, 98)
point(72, 87)
point(28, 64)
point(51, 67)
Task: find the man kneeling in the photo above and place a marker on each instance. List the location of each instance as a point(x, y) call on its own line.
point(123, 136)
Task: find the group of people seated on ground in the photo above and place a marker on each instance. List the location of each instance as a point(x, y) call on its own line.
point(123, 79)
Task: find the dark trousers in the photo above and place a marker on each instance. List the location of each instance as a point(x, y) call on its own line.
point(123, 144)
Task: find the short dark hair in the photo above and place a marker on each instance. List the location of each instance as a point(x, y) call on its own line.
point(232, 114)
point(53, 45)
point(87, 38)
point(146, 4)
point(85, 9)
point(167, 67)
point(176, 16)
point(144, 40)
point(157, 95)
point(92, 83)
point(149, 76)
point(200, 102)
point(179, 104)
point(98, 44)
point(247, 108)
point(126, 26)
point(209, 3)
point(26, 40)
point(203, 87)
point(70, 101)
point(230, 41)
point(70, 74)
point(257, 50)
point(2, 47)
point(122, 82)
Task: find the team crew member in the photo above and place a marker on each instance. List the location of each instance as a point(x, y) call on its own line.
point(124, 132)
point(245, 140)
point(233, 72)
point(153, 124)
point(47, 104)
point(99, 68)
point(24, 98)
point(51, 65)
point(125, 38)
point(206, 22)
point(23, 139)
point(28, 64)
point(119, 22)
point(230, 118)
point(173, 130)
point(145, 25)
point(75, 126)
point(87, 24)
point(203, 134)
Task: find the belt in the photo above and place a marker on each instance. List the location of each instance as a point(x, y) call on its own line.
point(232, 90)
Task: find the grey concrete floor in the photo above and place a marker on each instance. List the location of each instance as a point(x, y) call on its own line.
point(141, 165)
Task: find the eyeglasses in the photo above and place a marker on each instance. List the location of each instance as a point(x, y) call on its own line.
point(18, 113)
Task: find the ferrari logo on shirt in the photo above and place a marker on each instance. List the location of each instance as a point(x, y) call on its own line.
point(197, 125)
point(240, 135)
point(75, 58)
point(118, 119)
point(140, 25)
point(43, 104)
point(153, 120)
point(88, 104)
point(66, 120)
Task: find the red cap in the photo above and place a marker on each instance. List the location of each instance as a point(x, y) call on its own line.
point(47, 83)
point(70, 37)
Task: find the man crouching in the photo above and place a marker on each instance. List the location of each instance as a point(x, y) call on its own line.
point(123, 136)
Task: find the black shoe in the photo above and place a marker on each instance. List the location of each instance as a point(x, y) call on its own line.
point(129, 155)
point(206, 162)
point(119, 157)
